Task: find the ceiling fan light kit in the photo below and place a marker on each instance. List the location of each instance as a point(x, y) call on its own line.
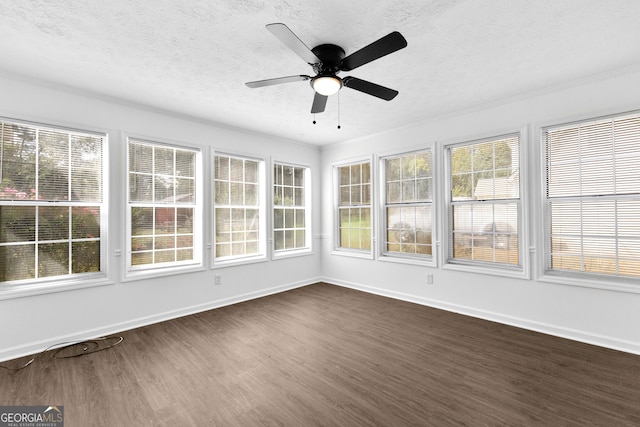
point(326, 85)
point(327, 60)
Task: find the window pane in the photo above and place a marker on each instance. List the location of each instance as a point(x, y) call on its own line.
point(185, 163)
point(53, 259)
point(164, 187)
point(222, 192)
point(185, 191)
point(424, 190)
point(86, 168)
point(237, 170)
point(461, 187)
point(53, 165)
point(17, 262)
point(298, 177)
point(141, 221)
point(17, 224)
point(85, 256)
point(53, 223)
point(356, 171)
point(18, 148)
point(163, 161)
point(251, 172)
point(392, 169)
point(85, 223)
point(300, 213)
point(221, 169)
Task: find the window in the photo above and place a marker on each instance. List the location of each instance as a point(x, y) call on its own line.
point(592, 203)
point(408, 197)
point(290, 212)
point(52, 213)
point(484, 204)
point(238, 208)
point(354, 206)
point(164, 206)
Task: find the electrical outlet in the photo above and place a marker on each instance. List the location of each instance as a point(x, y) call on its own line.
point(217, 280)
point(429, 278)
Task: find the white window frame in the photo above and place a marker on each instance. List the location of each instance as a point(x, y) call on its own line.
point(307, 249)
point(521, 271)
point(263, 183)
point(384, 254)
point(567, 277)
point(337, 250)
point(169, 268)
point(28, 287)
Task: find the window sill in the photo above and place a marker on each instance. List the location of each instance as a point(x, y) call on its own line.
point(618, 284)
point(132, 275)
point(516, 273)
point(424, 262)
point(292, 253)
point(41, 288)
point(238, 261)
point(353, 253)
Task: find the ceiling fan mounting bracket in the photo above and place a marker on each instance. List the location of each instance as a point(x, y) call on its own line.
point(330, 56)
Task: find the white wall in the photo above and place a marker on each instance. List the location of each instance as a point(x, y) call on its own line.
point(603, 317)
point(29, 324)
point(598, 316)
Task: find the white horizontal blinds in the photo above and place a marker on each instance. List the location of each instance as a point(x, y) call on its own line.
point(236, 206)
point(354, 206)
point(162, 202)
point(289, 207)
point(408, 203)
point(484, 202)
point(50, 202)
point(593, 196)
point(86, 167)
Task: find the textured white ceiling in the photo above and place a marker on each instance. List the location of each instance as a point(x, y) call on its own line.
point(192, 57)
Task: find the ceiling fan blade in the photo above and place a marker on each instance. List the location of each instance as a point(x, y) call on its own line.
point(277, 81)
point(319, 102)
point(379, 48)
point(289, 38)
point(370, 88)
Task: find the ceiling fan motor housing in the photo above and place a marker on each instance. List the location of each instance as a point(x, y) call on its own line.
point(330, 56)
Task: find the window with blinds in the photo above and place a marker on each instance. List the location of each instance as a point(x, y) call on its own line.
point(484, 202)
point(408, 200)
point(592, 205)
point(51, 202)
point(238, 207)
point(164, 229)
point(354, 206)
point(290, 210)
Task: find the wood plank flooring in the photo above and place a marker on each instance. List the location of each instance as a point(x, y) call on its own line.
point(323, 355)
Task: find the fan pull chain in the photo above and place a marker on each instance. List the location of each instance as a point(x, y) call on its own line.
point(338, 110)
point(314, 118)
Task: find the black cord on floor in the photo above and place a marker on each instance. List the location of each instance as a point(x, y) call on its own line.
point(74, 349)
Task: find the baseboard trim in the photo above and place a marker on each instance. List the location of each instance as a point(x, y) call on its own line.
point(545, 328)
point(62, 340)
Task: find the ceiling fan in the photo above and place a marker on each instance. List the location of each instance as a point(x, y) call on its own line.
point(327, 60)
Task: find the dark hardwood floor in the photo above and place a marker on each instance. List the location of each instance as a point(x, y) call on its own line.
point(323, 355)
